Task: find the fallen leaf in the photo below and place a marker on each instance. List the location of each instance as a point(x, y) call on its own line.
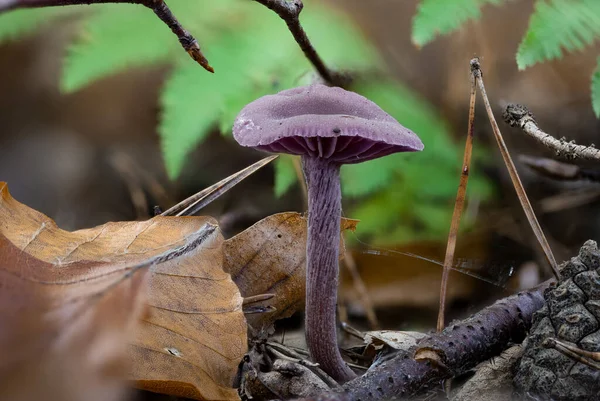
point(190, 341)
point(63, 326)
point(270, 257)
point(195, 336)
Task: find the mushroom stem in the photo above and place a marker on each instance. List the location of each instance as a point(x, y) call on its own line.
point(322, 265)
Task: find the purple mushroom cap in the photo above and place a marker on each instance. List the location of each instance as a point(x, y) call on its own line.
point(321, 121)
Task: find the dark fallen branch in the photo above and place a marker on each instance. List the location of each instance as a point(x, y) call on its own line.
point(160, 8)
point(518, 115)
point(289, 11)
point(454, 351)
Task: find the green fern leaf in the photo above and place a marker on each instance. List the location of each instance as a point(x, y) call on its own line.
point(15, 24)
point(556, 26)
point(440, 17)
point(107, 44)
point(596, 89)
point(285, 174)
point(120, 36)
point(184, 121)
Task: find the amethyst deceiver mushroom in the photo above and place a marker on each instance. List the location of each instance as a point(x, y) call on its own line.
point(328, 127)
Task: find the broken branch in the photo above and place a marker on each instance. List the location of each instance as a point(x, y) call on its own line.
point(452, 352)
point(519, 115)
point(160, 8)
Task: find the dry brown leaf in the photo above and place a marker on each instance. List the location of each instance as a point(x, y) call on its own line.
point(64, 321)
point(189, 342)
point(270, 257)
point(195, 336)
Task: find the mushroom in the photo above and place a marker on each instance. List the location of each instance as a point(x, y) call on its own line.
point(327, 127)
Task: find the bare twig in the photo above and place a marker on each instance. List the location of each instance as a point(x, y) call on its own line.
point(159, 7)
point(289, 11)
point(519, 115)
point(459, 203)
point(514, 176)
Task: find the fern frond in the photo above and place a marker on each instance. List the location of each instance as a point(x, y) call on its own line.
point(556, 26)
point(440, 17)
point(113, 38)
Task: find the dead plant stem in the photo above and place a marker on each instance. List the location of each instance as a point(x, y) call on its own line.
point(460, 201)
point(514, 176)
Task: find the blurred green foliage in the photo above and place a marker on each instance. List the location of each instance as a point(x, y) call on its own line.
point(596, 88)
point(439, 17)
point(555, 27)
point(399, 198)
point(22, 22)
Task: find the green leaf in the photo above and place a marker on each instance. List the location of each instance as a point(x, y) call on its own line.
point(556, 26)
point(365, 178)
point(440, 17)
point(107, 44)
point(596, 89)
point(18, 23)
point(116, 37)
point(285, 174)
